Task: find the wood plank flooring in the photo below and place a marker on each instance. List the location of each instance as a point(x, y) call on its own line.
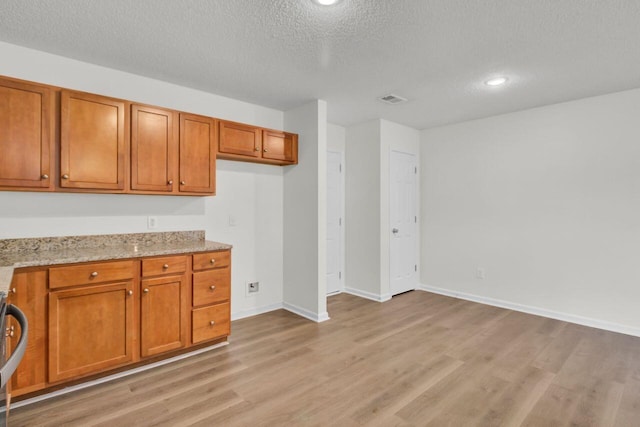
point(418, 360)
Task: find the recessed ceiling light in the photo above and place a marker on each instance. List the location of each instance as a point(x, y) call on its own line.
point(325, 2)
point(497, 81)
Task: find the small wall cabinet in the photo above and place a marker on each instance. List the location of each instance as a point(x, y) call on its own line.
point(253, 144)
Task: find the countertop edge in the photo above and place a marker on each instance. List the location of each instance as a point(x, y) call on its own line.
point(111, 253)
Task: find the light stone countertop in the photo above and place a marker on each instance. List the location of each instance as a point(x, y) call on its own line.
point(19, 253)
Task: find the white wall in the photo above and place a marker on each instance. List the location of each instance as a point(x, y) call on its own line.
point(252, 193)
point(305, 214)
point(547, 202)
point(362, 222)
point(336, 138)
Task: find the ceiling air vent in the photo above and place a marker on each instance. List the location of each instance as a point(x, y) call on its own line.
point(392, 99)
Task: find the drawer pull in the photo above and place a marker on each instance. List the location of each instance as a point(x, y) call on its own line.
point(265, 150)
point(45, 176)
point(130, 292)
point(145, 290)
point(211, 323)
point(13, 290)
point(94, 274)
point(256, 149)
point(170, 182)
point(183, 183)
point(212, 287)
point(213, 261)
point(65, 176)
point(165, 266)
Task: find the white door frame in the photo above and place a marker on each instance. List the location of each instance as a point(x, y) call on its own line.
point(342, 239)
point(417, 215)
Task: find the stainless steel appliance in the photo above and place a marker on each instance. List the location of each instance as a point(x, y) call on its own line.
point(8, 367)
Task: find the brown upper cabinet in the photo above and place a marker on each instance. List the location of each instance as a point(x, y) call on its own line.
point(26, 136)
point(172, 152)
point(280, 146)
point(198, 143)
point(109, 145)
point(254, 144)
point(154, 149)
point(92, 142)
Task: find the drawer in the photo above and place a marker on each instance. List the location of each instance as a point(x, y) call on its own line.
point(211, 286)
point(164, 265)
point(211, 322)
point(210, 260)
point(95, 272)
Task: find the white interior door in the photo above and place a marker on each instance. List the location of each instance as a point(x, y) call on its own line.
point(334, 222)
point(403, 222)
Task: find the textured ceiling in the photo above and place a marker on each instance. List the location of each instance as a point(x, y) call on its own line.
point(282, 53)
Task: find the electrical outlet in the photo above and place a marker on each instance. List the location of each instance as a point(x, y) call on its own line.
point(152, 222)
point(253, 287)
point(480, 273)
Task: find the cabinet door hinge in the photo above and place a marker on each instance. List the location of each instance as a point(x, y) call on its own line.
point(340, 275)
point(339, 221)
point(415, 170)
point(416, 267)
point(340, 167)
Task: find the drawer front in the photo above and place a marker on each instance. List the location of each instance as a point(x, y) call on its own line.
point(95, 272)
point(210, 260)
point(211, 286)
point(164, 265)
point(211, 322)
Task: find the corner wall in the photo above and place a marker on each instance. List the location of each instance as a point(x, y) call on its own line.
point(305, 214)
point(546, 202)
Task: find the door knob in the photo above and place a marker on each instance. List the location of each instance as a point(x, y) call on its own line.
point(395, 231)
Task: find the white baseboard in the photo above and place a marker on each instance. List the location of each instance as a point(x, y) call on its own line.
point(255, 311)
point(114, 376)
point(321, 317)
point(566, 317)
point(368, 295)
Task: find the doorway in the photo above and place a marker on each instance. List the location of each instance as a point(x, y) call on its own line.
point(335, 236)
point(403, 217)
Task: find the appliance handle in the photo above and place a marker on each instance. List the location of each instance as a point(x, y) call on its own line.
point(16, 356)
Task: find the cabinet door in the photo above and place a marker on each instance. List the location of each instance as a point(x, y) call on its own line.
point(92, 142)
point(197, 154)
point(280, 146)
point(26, 140)
point(90, 329)
point(236, 138)
point(29, 293)
point(162, 314)
point(154, 148)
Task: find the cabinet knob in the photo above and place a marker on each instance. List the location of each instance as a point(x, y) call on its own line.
point(183, 183)
point(65, 176)
point(13, 290)
point(213, 261)
point(256, 149)
point(145, 290)
point(45, 176)
point(130, 292)
point(165, 266)
point(265, 150)
point(94, 274)
point(170, 182)
point(211, 323)
point(212, 287)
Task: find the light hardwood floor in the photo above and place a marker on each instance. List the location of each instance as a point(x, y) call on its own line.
point(419, 359)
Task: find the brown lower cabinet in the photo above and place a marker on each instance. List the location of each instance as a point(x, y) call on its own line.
point(91, 329)
point(92, 318)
